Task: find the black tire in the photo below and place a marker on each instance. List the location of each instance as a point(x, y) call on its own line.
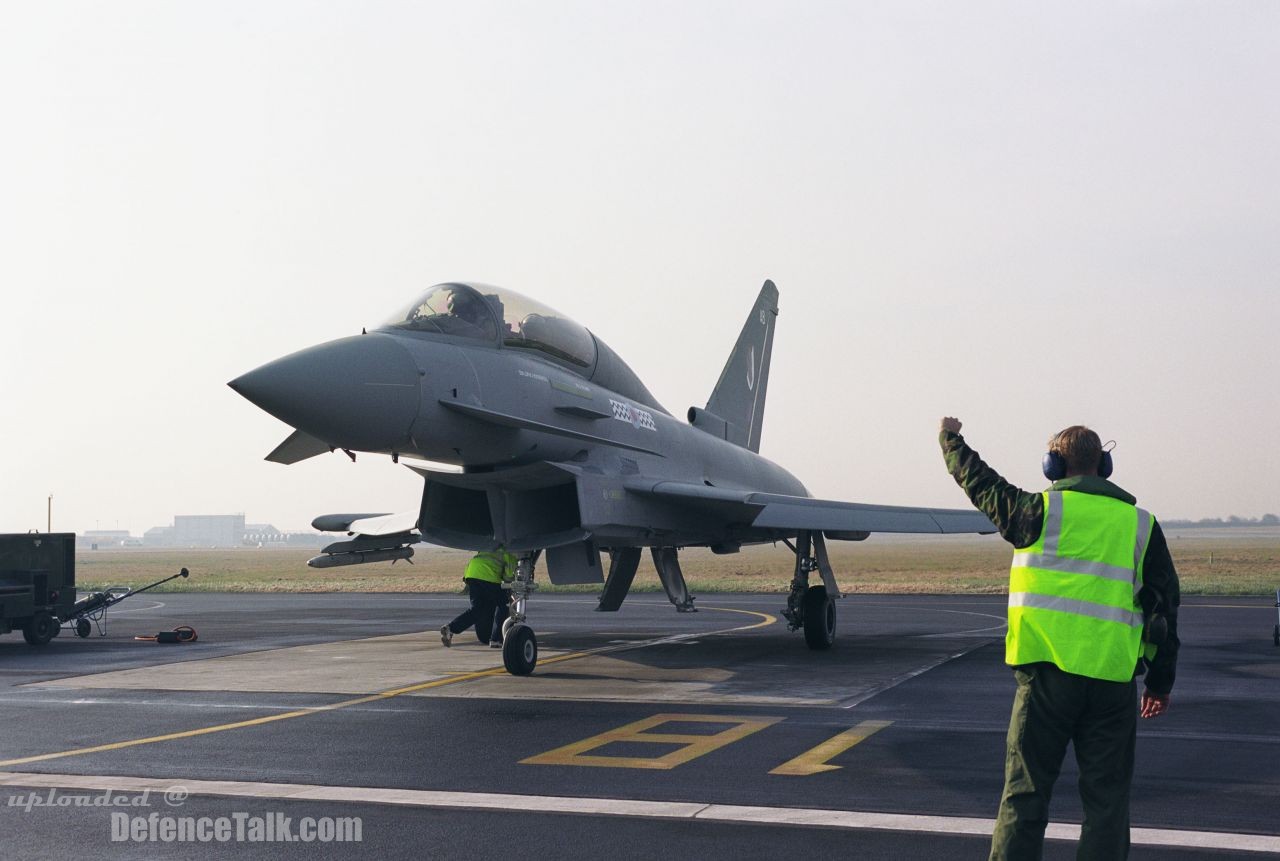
point(83, 628)
point(520, 650)
point(1276, 636)
point(819, 618)
point(40, 629)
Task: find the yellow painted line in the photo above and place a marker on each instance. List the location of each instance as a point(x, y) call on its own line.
point(119, 745)
point(766, 619)
point(382, 695)
point(690, 746)
point(815, 761)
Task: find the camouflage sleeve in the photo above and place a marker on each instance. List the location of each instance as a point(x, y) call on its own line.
point(1160, 582)
point(1017, 514)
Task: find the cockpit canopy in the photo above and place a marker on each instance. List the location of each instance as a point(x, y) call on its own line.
point(491, 314)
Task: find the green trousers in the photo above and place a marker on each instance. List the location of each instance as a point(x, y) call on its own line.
point(1100, 719)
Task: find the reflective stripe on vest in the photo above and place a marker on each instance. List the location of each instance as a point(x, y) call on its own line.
point(1073, 593)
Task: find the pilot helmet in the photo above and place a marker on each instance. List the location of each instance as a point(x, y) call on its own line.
point(464, 305)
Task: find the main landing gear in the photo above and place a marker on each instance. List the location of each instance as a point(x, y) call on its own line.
point(624, 561)
point(519, 645)
point(812, 607)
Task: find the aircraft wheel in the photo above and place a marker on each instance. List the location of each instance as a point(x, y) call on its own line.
point(520, 650)
point(83, 628)
point(819, 618)
point(1276, 636)
point(40, 630)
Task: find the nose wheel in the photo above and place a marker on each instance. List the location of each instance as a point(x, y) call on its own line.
point(519, 645)
point(520, 650)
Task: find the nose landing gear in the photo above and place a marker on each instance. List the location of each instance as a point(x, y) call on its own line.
point(519, 645)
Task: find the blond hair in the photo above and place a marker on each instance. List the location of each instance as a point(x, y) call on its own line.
point(1080, 447)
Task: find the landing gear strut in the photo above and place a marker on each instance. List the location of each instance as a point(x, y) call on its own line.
point(812, 608)
point(667, 561)
point(519, 645)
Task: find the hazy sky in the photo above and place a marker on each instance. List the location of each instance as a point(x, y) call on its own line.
point(1022, 214)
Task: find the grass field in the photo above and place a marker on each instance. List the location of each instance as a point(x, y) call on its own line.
point(1244, 562)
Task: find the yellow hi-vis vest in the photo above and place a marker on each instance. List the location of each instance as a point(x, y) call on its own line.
point(491, 565)
point(1073, 594)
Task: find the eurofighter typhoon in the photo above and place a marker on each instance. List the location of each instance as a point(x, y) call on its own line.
point(561, 454)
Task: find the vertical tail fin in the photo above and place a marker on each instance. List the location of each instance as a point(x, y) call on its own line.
point(738, 398)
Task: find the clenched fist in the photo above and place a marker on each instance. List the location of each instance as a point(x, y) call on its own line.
point(950, 424)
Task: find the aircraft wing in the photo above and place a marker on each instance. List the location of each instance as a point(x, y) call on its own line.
point(780, 512)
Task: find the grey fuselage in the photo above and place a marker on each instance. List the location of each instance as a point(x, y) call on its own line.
point(550, 453)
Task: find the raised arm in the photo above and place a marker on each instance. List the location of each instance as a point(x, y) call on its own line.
point(1018, 515)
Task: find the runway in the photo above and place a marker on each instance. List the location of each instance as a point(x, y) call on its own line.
point(715, 734)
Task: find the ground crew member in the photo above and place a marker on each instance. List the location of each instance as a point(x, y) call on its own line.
point(485, 574)
point(1089, 567)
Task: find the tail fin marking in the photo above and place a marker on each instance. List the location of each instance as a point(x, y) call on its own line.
point(739, 395)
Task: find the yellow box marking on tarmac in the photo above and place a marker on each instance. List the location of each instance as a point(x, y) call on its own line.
point(815, 761)
point(691, 746)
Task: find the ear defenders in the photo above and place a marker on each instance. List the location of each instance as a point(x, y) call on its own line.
point(1054, 465)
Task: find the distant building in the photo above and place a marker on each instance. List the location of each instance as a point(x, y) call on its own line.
point(208, 530)
point(97, 539)
point(158, 536)
point(261, 534)
point(266, 535)
point(224, 530)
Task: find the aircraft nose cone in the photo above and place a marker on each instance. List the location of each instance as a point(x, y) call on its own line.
point(360, 392)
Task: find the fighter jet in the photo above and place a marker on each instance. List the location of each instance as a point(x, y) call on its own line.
point(551, 447)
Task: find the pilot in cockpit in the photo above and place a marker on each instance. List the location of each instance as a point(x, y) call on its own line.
point(465, 307)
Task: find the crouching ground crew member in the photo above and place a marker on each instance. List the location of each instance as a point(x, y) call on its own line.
point(485, 574)
point(1089, 567)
